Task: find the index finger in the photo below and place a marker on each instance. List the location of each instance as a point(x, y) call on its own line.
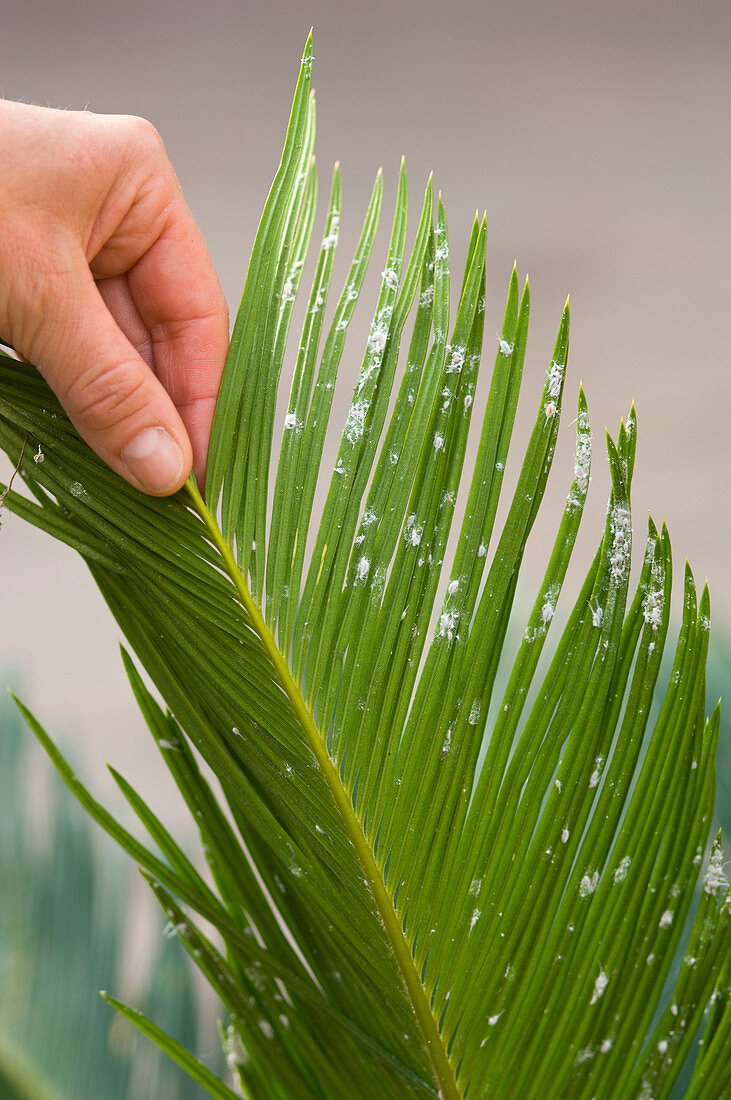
point(180, 301)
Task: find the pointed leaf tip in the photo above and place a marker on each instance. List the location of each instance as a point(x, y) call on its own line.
point(611, 446)
point(307, 55)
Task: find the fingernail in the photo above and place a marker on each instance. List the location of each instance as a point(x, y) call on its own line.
point(154, 459)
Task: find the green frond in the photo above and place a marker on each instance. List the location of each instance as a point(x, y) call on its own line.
point(428, 878)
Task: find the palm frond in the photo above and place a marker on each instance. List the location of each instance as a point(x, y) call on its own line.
point(397, 916)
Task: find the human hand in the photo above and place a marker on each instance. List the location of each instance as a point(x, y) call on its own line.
point(103, 275)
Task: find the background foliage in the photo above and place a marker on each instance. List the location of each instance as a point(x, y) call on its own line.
point(63, 916)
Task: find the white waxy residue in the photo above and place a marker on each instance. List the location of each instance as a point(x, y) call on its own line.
point(390, 278)
point(331, 240)
point(588, 884)
point(355, 424)
point(715, 878)
point(652, 608)
point(448, 624)
point(597, 773)
point(620, 872)
point(378, 338)
point(77, 490)
point(455, 358)
point(600, 985)
point(620, 526)
point(555, 378)
point(441, 255)
point(362, 569)
point(412, 532)
point(582, 461)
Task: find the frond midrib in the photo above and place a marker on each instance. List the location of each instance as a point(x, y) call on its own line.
point(437, 1053)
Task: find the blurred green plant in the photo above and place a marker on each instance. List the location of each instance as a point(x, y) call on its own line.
point(62, 916)
point(394, 920)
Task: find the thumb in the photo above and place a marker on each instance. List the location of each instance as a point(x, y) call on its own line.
point(111, 396)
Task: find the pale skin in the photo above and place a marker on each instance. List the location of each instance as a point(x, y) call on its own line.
point(106, 286)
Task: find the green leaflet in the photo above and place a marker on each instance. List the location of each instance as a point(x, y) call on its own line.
point(396, 917)
point(245, 412)
point(178, 1053)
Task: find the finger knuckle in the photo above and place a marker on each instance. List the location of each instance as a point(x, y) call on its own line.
point(104, 399)
point(144, 134)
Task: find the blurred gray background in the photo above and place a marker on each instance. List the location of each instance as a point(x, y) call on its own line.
point(596, 135)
